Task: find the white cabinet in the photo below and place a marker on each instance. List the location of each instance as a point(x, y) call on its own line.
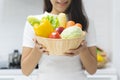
point(103, 77)
point(108, 73)
point(12, 77)
point(96, 77)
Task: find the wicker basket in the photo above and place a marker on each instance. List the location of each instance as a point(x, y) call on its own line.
point(60, 46)
point(103, 63)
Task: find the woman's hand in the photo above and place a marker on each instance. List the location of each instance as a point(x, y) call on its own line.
point(41, 48)
point(77, 51)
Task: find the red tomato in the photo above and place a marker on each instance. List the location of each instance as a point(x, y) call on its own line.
point(59, 29)
point(55, 35)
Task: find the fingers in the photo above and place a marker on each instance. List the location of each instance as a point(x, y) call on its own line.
point(35, 41)
point(69, 54)
point(40, 47)
point(73, 52)
point(83, 43)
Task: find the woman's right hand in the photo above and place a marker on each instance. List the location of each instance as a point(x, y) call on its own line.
point(41, 48)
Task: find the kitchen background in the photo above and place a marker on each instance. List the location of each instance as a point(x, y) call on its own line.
point(105, 13)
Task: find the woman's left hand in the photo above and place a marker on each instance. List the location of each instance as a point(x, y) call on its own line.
point(77, 51)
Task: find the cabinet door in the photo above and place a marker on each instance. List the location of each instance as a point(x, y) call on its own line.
point(102, 77)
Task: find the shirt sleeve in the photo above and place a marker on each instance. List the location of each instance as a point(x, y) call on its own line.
point(91, 35)
point(28, 36)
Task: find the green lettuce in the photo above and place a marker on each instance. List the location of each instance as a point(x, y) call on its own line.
point(33, 20)
point(53, 20)
point(71, 32)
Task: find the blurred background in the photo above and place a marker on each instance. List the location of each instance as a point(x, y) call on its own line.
point(13, 14)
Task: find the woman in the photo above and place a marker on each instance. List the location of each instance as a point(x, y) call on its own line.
point(70, 66)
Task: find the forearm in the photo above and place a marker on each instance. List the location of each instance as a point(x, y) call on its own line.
point(29, 62)
point(89, 61)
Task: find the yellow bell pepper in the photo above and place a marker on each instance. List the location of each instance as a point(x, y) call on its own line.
point(100, 58)
point(43, 29)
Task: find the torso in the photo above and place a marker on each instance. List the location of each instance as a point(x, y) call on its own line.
point(54, 67)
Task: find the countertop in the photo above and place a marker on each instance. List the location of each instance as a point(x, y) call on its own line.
point(107, 70)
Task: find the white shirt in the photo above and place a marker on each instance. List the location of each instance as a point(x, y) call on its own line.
point(53, 67)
